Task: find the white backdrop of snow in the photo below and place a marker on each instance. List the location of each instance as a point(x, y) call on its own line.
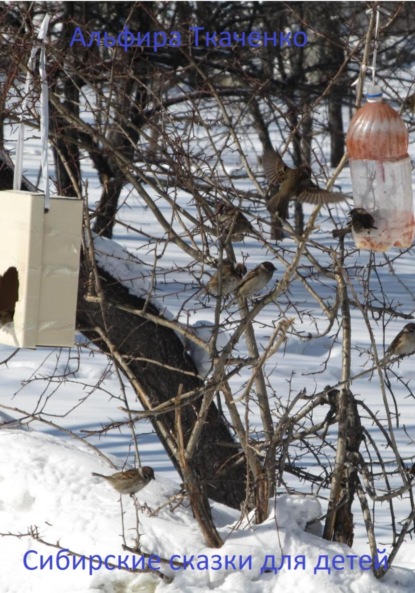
point(45, 478)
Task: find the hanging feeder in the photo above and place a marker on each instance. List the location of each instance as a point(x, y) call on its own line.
point(40, 241)
point(377, 144)
point(39, 269)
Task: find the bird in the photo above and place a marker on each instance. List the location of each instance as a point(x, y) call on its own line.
point(292, 183)
point(129, 481)
point(226, 279)
point(409, 103)
point(233, 224)
point(403, 344)
point(361, 220)
point(255, 280)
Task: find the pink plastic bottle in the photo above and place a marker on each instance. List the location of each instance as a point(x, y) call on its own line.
point(377, 143)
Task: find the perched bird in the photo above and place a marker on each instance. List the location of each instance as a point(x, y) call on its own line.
point(403, 343)
point(225, 281)
point(130, 481)
point(255, 280)
point(361, 220)
point(409, 103)
point(292, 183)
point(234, 225)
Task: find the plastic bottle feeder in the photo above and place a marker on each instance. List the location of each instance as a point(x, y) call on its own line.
point(377, 143)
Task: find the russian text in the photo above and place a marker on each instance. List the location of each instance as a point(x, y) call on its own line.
point(200, 37)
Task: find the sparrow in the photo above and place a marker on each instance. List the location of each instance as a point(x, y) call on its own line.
point(229, 275)
point(292, 183)
point(361, 220)
point(255, 280)
point(234, 225)
point(130, 481)
point(409, 103)
point(403, 343)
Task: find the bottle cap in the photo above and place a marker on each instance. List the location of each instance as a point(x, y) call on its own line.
point(374, 93)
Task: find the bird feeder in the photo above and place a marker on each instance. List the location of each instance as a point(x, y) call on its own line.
point(40, 240)
point(377, 144)
point(39, 269)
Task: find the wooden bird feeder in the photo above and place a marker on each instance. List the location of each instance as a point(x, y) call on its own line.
point(39, 269)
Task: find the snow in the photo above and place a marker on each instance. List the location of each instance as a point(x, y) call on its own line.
point(204, 330)
point(46, 484)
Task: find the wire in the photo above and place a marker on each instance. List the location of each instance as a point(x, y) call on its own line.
point(376, 44)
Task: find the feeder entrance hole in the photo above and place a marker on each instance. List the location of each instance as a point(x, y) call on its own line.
point(9, 295)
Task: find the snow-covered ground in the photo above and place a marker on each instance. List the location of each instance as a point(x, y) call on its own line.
point(46, 486)
point(46, 489)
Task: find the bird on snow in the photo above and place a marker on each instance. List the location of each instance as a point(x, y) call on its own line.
point(129, 481)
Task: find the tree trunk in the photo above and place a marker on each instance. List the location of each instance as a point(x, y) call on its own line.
point(65, 147)
point(336, 128)
point(217, 462)
point(343, 525)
